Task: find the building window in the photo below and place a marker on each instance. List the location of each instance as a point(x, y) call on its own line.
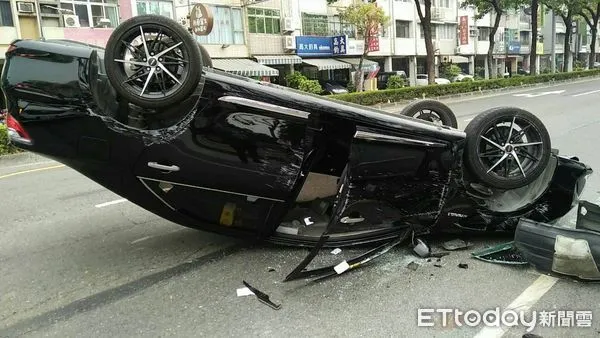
point(337, 27)
point(5, 13)
point(164, 8)
point(433, 32)
point(315, 24)
point(90, 12)
point(228, 27)
point(441, 3)
point(403, 29)
point(484, 34)
point(264, 21)
point(446, 32)
point(525, 37)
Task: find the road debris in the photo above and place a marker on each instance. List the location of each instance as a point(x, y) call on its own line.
point(261, 296)
point(505, 253)
point(455, 244)
point(242, 292)
point(336, 251)
point(413, 266)
point(422, 249)
point(463, 265)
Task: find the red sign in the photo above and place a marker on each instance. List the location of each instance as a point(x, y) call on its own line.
point(373, 39)
point(464, 30)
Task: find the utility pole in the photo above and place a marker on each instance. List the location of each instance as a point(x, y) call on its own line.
point(553, 42)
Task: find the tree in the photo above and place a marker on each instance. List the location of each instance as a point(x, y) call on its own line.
point(366, 18)
point(534, 38)
point(497, 8)
point(425, 18)
point(567, 10)
point(591, 13)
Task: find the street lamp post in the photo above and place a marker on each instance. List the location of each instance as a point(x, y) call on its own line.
point(553, 42)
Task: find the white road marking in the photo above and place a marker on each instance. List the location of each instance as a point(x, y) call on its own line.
point(523, 303)
point(587, 93)
point(102, 205)
point(140, 239)
point(539, 94)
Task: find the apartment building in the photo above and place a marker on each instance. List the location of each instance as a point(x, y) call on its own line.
point(581, 38)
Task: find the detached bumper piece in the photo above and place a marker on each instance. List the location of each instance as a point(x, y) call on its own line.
point(565, 251)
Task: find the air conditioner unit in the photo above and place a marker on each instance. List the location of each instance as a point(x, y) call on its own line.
point(473, 32)
point(457, 50)
point(437, 14)
point(71, 20)
point(288, 24)
point(289, 42)
point(25, 7)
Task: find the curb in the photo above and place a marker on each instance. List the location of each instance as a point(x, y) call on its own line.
point(22, 158)
point(483, 93)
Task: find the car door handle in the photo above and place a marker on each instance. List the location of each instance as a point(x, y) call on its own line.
point(163, 167)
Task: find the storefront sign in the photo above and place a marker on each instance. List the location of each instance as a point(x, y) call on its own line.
point(514, 47)
point(340, 45)
point(464, 30)
point(373, 44)
point(314, 45)
point(373, 41)
point(201, 20)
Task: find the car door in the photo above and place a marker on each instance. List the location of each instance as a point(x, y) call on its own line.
point(236, 165)
point(391, 178)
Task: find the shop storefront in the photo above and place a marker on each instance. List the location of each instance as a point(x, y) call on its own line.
point(331, 58)
point(284, 64)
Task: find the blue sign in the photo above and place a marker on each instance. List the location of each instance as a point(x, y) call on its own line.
point(339, 45)
point(321, 45)
point(314, 45)
point(514, 47)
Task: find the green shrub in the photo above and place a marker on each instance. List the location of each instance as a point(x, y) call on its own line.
point(395, 82)
point(310, 86)
point(293, 80)
point(449, 71)
point(410, 93)
point(351, 87)
point(5, 146)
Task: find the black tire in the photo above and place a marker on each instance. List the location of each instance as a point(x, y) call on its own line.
point(497, 125)
point(430, 110)
point(183, 63)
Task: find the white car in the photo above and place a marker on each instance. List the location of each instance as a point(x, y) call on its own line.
point(422, 80)
point(461, 77)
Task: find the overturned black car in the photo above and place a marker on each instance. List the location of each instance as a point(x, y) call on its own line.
point(149, 119)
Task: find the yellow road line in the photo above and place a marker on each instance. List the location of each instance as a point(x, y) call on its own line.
point(31, 171)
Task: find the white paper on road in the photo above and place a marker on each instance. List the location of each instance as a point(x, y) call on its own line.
point(241, 292)
point(340, 268)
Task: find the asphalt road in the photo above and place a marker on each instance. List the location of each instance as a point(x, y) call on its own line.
point(77, 260)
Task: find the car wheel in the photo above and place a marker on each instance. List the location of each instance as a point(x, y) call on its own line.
point(432, 111)
point(153, 61)
point(506, 147)
point(206, 59)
